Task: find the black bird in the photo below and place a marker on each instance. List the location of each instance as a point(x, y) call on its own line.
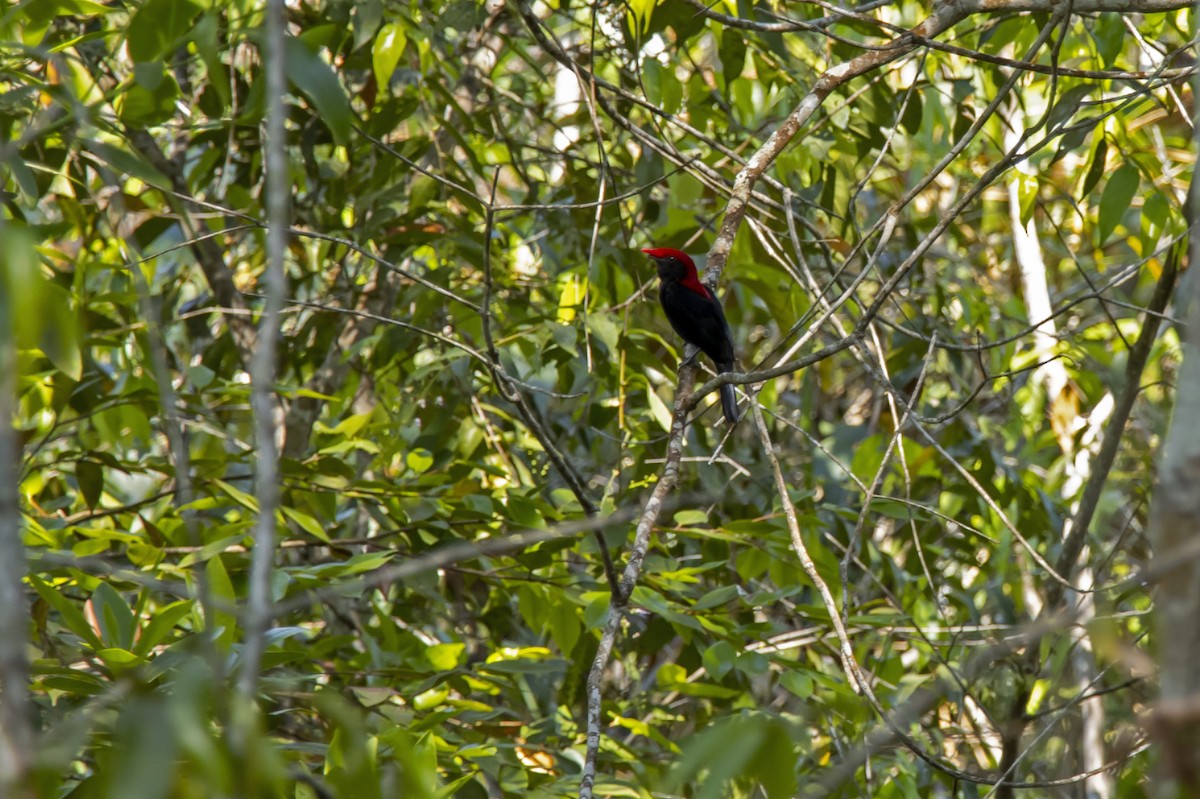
point(695, 313)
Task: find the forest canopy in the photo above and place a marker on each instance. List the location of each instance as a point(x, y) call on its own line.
point(345, 448)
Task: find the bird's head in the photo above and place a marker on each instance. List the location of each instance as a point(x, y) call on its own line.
point(672, 264)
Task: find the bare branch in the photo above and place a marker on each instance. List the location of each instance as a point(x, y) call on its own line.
point(16, 727)
point(263, 362)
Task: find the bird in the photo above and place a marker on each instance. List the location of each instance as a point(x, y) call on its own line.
point(696, 315)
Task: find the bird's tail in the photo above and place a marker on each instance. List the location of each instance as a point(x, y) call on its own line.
point(729, 403)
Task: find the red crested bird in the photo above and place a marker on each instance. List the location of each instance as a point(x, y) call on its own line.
point(695, 313)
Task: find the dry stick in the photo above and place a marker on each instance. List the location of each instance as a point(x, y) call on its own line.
point(1057, 577)
point(966, 475)
point(619, 602)
point(882, 295)
point(1139, 355)
point(885, 222)
point(871, 489)
point(385, 320)
point(587, 90)
point(849, 664)
point(806, 562)
point(901, 420)
point(736, 210)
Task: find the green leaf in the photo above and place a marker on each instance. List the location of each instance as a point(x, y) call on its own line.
point(243, 498)
point(573, 290)
point(1096, 170)
point(205, 36)
point(161, 625)
point(525, 513)
point(200, 376)
point(539, 667)
point(371, 696)
point(356, 564)
point(1027, 193)
point(90, 476)
point(24, 179)
point(306, 523)
point(562, 618)
point(119, 660)
point(723, 752)
point(868, 457)
point(71, 615)
point(36, 16)
point(658, 409)
point(733, 56)
point(319, 83)
point(367, 16)
point(691, 518)
point(1118, 194)
point(913, 113)
point(60, 331)
point(716, 597)
point(150, 99)
point(753, 664)
point(145, 741)
point(386, 52)
point(1108, 32)
point(639, 15)
point(752, 562)
point(1068, 103)
point(348, 426)
point(719, 659)
point(124, 161)
point(34, 311)
point(221, 588)
point(113, 616)
point(419, 460)
point(76, 684)
point(158, 26)
point(798, 683)
point(445, 657)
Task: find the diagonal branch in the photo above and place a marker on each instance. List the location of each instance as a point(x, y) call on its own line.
point(619, 602)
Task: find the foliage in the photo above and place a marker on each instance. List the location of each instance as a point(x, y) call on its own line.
point(453, 183)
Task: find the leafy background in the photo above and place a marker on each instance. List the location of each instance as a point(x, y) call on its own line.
point(463, 171)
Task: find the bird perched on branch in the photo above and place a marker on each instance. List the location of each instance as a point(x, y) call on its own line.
point(695, 313)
